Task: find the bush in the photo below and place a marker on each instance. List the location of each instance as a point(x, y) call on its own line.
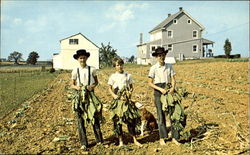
point(234, 56)
point(220, 56)
point(230, 56)
point(52, 70)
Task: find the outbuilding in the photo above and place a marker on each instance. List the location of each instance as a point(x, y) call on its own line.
point(69, 46)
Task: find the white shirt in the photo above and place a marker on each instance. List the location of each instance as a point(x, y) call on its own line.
point(84, 75)
point(120, 80)
point(161, 74)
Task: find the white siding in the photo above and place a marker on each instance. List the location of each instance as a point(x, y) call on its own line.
point(65, 59)
point(143, 61)
point(57, 63)
point(155, 36)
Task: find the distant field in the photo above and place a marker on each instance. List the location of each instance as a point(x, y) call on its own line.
point(20, 85)
point(210, 60)
point(23, 69)
point(24, 63)
point(10, 63)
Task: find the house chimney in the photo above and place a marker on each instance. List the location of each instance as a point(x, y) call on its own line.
point(180, 8)
point(141, 38)
point(169, 14)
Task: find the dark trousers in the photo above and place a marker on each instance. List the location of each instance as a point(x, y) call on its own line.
point(118, 127)
point(82, 130)
point(161, 115)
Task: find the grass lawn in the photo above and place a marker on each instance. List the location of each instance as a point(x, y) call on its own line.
point(17, 87)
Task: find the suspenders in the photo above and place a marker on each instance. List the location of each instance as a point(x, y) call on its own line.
point(88, 75)
point(78, 74)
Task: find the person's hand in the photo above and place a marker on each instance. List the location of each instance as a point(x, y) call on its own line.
point(90, 87)
point(78, 87)
point(171, 90)
point(115, 96)
point(163, 91)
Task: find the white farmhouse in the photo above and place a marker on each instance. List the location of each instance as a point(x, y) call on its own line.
point(69, 46)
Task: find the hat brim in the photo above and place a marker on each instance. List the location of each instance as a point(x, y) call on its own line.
point(155, 53)
point(76, 56)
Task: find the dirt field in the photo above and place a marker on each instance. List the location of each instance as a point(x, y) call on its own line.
point(218, 102)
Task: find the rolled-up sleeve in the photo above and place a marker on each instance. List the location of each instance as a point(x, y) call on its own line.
point(151, 73)
point(74, 74)
point(172, 71)
point(111, 81)
point(94, 72)
point(130, 79)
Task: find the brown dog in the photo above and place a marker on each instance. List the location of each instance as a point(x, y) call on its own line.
point(147, 119)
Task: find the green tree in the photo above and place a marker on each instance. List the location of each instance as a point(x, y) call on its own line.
point(107, 53)
point(16, 56)
point(131, 59)
point(32, 59)
point(227, 48)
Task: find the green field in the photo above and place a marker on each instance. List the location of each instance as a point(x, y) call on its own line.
point(16, 87)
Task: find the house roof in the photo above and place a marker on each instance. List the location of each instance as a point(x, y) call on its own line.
point(206, 41)
point(141, 44)
point(171, 17)
point(79, 34)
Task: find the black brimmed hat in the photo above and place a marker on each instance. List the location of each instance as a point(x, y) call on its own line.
point(81, 52)
point(158, 51)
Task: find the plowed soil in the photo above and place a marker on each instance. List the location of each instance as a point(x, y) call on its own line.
point(218, 102)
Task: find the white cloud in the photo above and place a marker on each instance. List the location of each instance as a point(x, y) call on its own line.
point(121, 14)
point(17, 20)
point(4, 18)
point(106, 27)
point(37, 25)
point(20, 41)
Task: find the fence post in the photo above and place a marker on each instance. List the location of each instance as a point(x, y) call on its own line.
point(43, 68)
point(15, 90)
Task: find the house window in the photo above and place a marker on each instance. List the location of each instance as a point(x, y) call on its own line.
point(170, 47)
point(170, 33)
point(195, 48)
point(73, 41)
point(175, 21)
point(152, 48)
point(189, 21)
point(195, 34)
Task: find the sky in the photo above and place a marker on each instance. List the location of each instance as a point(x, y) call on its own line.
point(28, 26)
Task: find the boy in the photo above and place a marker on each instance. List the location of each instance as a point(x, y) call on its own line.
point(85, 77)
point(161, 74)
point(120, 87)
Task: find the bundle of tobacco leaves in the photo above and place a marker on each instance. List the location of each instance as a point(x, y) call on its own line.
point(86, 103)
point(171, 104)
point(123, 108)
